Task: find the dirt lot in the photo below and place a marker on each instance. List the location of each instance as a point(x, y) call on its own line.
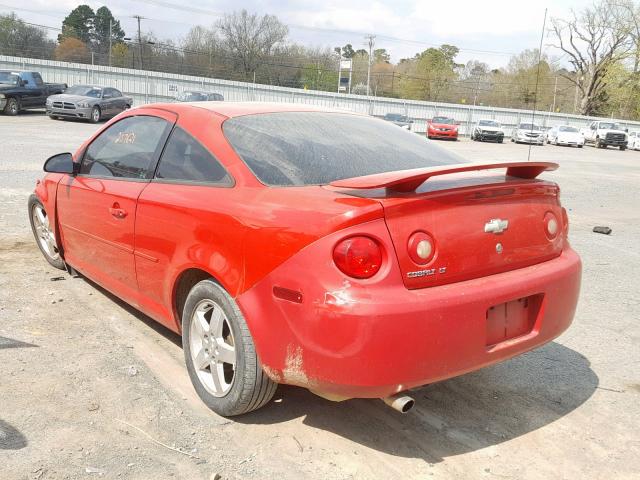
point(91, 388)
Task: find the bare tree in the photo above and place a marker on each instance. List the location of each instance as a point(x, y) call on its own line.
point(594, 39)
point(250, 38)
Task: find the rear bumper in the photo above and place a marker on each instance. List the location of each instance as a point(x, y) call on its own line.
point(350, 340)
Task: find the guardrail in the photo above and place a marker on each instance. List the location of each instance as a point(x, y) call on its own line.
point(150, 87)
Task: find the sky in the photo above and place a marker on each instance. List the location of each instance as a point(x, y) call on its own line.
point(487, 30)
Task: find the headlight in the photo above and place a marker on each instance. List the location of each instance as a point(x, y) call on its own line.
point(83, 104)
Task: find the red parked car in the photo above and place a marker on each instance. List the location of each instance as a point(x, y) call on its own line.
point(323, 249)
point(442, 127)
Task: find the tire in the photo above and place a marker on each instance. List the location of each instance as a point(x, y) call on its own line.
point(622, 148)
point(53, 117)
point(500, 140)
point(95, 115)
point(597, 143)
point(580, 146)
point(241, 387)
point(41, 229)
point(12, 108)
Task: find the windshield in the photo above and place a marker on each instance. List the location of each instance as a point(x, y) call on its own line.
point(84, 91)
point(395, 117)
point(529, 126)
point(316, 148)
point(8, 77)
point(610, 126)
point(488, 123)
point(444, 120)
point(192, 97)
point(568, 129)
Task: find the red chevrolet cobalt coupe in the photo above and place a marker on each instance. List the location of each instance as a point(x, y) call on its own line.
point(324, 249)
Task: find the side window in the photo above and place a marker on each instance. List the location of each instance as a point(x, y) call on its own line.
point(127, 149)
point(38, 79)
point(184, 158)
point(115, 93)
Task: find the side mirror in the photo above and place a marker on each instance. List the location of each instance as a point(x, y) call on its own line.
point(23, 82)
point(61, 163)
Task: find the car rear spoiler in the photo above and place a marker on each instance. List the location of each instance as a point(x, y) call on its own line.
point(409, 180)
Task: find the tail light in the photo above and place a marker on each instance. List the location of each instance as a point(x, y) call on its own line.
point(358, 257)
point(421, 247)
point(551, 225)
point(565, 221)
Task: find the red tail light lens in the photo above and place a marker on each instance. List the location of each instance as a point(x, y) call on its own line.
point(358, 257)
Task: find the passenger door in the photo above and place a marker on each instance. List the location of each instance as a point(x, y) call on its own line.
point(97, 208)
point(181, 222)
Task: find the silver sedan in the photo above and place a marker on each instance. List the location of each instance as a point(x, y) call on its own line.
point(88, 103)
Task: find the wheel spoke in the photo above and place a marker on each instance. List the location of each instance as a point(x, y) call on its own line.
point(41, 218)
point(201, 324)
point(201, 361)
point(226, 353)
point(216, 375)
point(217, 321)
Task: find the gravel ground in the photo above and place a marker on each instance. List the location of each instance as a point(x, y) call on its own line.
point(92, 388)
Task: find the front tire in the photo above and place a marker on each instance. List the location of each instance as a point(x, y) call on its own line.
point(220, 354)
point(622, 148)
point(12, 108)
point(95, 115)
point(45, 238)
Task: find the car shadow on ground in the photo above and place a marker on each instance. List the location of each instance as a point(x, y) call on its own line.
point(10, 437)
point(456, 416)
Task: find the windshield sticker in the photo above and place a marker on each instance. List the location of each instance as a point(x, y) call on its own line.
point(126, 138)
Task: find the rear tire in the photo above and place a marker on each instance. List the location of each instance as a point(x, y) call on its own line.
point(12, 108)
point(41, 228)
point(220, 354)
point(622, 148)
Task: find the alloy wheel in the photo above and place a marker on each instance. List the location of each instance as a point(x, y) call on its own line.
point(213, 350)
point(45, 236)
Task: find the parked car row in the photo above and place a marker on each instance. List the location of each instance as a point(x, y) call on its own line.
point(26, 90)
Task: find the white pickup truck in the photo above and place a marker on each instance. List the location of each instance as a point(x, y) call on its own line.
point(604, 133)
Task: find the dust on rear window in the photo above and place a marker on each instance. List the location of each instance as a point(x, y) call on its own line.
point(316, 148)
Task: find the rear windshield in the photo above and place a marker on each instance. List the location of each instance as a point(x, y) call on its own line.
point(316, 148)
point(396, 117)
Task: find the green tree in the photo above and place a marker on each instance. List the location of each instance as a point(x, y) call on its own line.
point(380, 55)
point(348, 51)
point(79, 24)
point(22, 40)
point(103, 24)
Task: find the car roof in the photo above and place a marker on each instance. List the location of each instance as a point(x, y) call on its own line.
point(238, 109)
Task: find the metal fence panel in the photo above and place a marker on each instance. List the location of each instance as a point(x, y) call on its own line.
point(151, 87)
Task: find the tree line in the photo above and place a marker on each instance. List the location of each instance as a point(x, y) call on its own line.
point(590, 62)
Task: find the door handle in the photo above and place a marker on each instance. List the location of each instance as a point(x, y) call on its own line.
point(117, 212)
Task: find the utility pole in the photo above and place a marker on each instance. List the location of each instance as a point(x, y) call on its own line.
point(555, 88)
point(371, 39)
point(110, 36)
point(138, 17)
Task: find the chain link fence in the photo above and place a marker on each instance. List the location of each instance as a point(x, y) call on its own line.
point(151, 87)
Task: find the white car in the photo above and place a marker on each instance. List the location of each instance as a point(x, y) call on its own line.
point(634, 141)
point(487, 131)
point(565, 135)
point(528, 133)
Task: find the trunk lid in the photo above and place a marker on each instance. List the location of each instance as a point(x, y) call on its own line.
point(479, 225)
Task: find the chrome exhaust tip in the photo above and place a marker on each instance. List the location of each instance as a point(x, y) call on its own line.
point(400, 403)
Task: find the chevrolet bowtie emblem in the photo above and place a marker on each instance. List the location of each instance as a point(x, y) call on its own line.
point(496, 225)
